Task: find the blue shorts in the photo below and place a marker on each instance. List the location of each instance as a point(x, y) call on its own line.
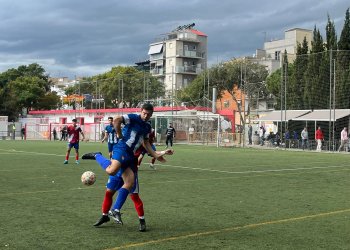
point(110, 147)
point(115, 182)
point(73, 145)
point(124, 155)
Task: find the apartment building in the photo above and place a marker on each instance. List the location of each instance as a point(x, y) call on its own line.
point(179, 57)
point(272, 53)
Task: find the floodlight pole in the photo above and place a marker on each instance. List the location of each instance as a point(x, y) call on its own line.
point(330, 99)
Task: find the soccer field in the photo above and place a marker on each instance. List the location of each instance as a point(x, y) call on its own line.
point(201, 198)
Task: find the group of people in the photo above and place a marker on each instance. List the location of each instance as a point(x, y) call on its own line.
point(319, 137)
point(275, 138)
point(129, 137)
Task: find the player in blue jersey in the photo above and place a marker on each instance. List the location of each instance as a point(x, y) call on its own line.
point(114, 184)
point(135, 133)
point(110, 136)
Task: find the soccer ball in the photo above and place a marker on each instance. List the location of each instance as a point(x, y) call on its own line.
point(88, 178)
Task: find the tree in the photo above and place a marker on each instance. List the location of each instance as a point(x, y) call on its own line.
point(237, 75)
point(315, 86)
point(23, 87)
point(344, 40)
point(121, 84)
point(343, 66)
point(331, 36)
point(297, 82)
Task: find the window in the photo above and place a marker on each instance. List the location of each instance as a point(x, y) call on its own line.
point(170, 78)
point(171, 62)
point(170, 45)
point(277, 55)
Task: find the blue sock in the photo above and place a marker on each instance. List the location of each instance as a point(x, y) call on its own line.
point(104, 163)
point(122, 195)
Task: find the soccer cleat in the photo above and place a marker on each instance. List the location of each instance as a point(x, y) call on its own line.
point(77, 162)
point(152, 166)
point(142, 227)
point(90, 156)
point(65, 162)
point(102, 220)
point(116, 216)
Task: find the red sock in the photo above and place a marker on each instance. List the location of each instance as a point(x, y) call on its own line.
point(138, 204)
point(76, 156)
point(153, 160)
point(107, 202)
point(67, 157)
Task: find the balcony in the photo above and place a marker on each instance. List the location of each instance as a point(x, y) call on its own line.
point(187, 36)
point(156, 57)
point(190, 54)
point(157, 71)
point(193, 70)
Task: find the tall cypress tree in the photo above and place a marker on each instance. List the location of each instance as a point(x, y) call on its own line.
point(315, 87)
point(344, 40)
point(331, 35)
point(343, 66)
point(297, 83)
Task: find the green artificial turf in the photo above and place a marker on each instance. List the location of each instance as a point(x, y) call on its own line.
point(201, 198)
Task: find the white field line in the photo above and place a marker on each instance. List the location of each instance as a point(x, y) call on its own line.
point(204, 169)
point(28, 152)
point(253, 171)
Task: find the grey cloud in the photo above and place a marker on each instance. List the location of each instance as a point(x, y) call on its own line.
point(88, 37)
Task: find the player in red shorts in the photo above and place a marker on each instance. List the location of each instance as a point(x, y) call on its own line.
point(73, 140)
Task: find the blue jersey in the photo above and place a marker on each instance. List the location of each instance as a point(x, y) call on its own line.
point(134, 131)
point(112, 135)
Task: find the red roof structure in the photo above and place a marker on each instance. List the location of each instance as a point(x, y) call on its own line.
point(197, 32)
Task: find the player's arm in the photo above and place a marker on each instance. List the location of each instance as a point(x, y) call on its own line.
point(174, 132)
point(153, 153)
point(82, 135)
point(105, 137)
point(117, 123)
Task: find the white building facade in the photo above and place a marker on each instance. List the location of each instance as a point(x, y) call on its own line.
point(178, 58)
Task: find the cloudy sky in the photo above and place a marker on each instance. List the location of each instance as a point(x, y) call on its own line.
point(84, 37)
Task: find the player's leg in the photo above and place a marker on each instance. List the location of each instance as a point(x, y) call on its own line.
point(67, 154)
point(110, 150)
point(76, 147)
point(106, 205)
point(111, 167)
point(167, 141)
point(113, 184)
point(139, 209)
point(129, 180)
point(153, 159)
point(138, 205)
point(139, 160)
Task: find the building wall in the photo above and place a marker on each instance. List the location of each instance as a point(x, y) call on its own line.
point(184, 57)
point(275, 49)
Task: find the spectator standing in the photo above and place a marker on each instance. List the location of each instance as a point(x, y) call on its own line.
point(191, 133)
point(23, 132)
point(295, 139)
point(343, 139)
point(287, 138)
point(170, 134)
point(13, 131)
point(304, 138)
point(319, 138)
point(250, 134)
point(54, 132)
point(262, 135)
